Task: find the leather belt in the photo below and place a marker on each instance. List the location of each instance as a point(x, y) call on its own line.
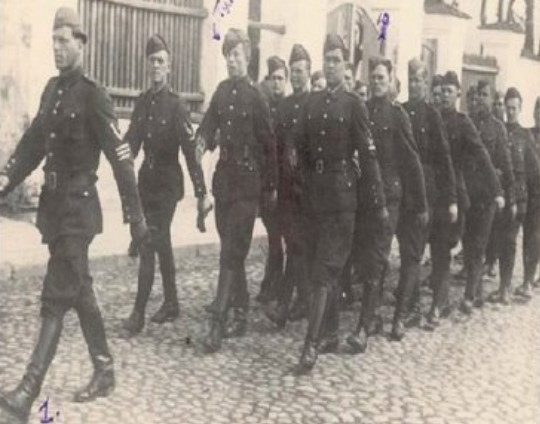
point(320, 165)
point(54, 180)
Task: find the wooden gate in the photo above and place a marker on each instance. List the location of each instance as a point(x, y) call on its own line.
point(118, 31)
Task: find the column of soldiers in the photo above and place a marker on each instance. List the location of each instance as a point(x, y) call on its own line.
point(334, 176)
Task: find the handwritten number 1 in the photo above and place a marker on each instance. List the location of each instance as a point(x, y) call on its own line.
point(45, 408)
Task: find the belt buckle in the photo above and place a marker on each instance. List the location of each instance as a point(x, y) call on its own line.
point(51, 180)
point(319, 166)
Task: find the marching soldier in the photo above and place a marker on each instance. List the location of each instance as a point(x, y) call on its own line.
point(290, 211)
point(404, 188)
point(75, 123)
point(494, 136)
point(526, 166)
point(531, 224)
point(440, 181)
point(246, 171)
point(334, 125)
point(273, 273)
point(160, 125)
point(477, 187)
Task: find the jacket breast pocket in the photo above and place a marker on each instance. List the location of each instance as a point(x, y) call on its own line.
point(73, 124)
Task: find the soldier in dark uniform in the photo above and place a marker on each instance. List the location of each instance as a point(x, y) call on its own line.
point(74, 124)
point(531, 224)
point(160, 124)
point(273, 273)
point(246, 171)
point(440, 181)
point(404, 188)
point(527, 191)
point(292, 217)
point(494, 136)
point(333, 127)
point(477, 187)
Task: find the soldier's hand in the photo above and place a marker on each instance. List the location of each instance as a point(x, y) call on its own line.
point(139, 232)
point(499, 200)
point(382, 217)
point(270, 200)
point(423, 218)
point(204, 206)
point(200, 148)
point(453, 213)
point(4, 182)
point(513, 211)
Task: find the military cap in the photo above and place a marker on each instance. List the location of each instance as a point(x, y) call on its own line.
point(512, 93)
point(274, 63)
point(156, 43)
point(378, 60)
point(298, 53)
point(451, 78)
point(66, 16)
point(334, 41)
point(234, 37)
point(436, 81)
point(416, 65)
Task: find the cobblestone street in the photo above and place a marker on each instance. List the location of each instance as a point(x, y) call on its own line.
point(479, 369)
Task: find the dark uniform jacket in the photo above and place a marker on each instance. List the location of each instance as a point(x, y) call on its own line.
point(494, 137)
point(476, 178)
point(290, 174)
point(333, 126)
point(247, 162)
point(536, 139)
point(397, 154)
point(75, 123)
point(434, 150)
point(160, 124)
point(525, 164)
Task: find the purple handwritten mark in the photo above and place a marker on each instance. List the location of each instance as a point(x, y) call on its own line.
point(44, 408)
point(221, 8)
point(383, 21)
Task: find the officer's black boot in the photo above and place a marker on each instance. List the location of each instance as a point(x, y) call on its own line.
point(240, 306)
point(330, 341)
point(102, 382)
point(169, 309)
point(473, 274)
point(19, 402)
point(317, 313)
point(409, 277)
point(212, 342)
point(278, 313)
point(135, 322)
point(358, 339)
point(300, 307)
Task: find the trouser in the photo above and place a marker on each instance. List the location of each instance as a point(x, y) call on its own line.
point(294, 229)
point(159, 217)
point(371, 248)
point(412, 239)
point(235, 221)
point(478, 223)
point(531, 239)
point(67, 285)
point(274, 261)
point(329, 244)
point(504, 242)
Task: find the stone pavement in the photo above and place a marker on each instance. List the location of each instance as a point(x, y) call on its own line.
point(479, 369)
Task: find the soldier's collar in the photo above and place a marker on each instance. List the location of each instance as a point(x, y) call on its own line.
point(163, 89)
point(336, 89)
point(67, 78)
point(236, 81)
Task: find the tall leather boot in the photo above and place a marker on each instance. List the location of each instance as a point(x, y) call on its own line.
point(102, 382)
point(440, 278)
point(135, 322)
point(19, 402)
point(409, 277)
point(300, 307)
point(240, 306)
point(330, 341)
point(278, 313)
point(212, 342)
point(316, 321)
point(474, 274)
point(169, 309)
point(358, 339)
